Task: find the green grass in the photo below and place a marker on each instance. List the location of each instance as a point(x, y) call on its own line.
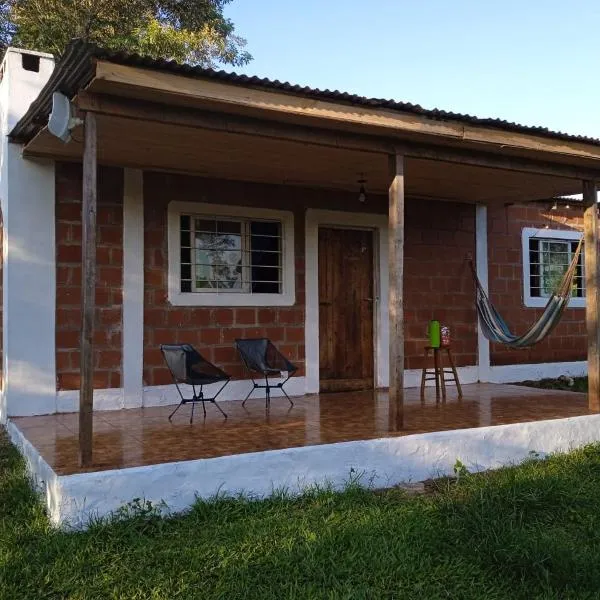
point(579, 384)
point(527, 532)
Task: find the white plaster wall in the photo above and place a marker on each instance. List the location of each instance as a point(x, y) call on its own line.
point(515, 373)
point(380, 462)
point(133, 288)
point(164, 395)
point(29, 278)
point(43, 479)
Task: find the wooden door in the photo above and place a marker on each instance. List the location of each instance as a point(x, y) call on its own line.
point(346, 303)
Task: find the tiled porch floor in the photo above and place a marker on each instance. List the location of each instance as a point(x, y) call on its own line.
point(135, 437)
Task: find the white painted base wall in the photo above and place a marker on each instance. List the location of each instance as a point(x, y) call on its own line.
point(72, 500)
point(161, 395)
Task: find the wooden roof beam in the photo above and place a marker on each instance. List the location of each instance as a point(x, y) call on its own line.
point(188, 117)
point(175, 89)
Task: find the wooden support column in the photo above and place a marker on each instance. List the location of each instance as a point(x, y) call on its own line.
point(592, 281)
point(396, 282)
point(88, 291)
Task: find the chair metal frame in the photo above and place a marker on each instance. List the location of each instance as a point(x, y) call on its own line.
point(267, 386)
point(198, 396)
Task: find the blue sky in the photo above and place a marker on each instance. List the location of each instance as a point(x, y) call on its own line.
point(531, 61)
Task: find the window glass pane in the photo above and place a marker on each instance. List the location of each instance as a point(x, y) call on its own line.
point(218, 257)
point(231, 255)
point(186, 272)
point(207, 225)
point(534, 267)
point(554, 262)
point(548, 262)
point(265, 252)
point(229, 227)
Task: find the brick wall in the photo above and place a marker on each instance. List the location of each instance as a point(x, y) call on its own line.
point(437, 281)
point(505, 224)
point(212, 330)
point(109, 261)
point(438, 237)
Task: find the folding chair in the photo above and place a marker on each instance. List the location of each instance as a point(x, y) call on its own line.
point(261, 356)
point(187, 366)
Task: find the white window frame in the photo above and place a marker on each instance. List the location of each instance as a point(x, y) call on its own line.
point(544, 234)
point(176, 297)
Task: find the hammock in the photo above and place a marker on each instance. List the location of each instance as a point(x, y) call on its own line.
point(495, 328)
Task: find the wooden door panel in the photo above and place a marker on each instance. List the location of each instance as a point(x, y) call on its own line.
point(345, 308)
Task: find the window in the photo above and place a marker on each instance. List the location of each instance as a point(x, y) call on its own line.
point(230, 256)
point(546, 256)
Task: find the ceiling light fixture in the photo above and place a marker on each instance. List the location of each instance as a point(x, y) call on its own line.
point(362, 192)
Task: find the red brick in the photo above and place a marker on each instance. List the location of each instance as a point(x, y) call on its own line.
point(225, 354)
point(266, 316)
point(63, 360)
point(155, 317)
point(115, 379)
point(109, 359)
point(177, 317)
point(68, 253)
point(291, 316)
point(153, 277)
point(210, 336)
point(110, 316)
point(67, 339)
point(201, 317)
point(110, 276)
point(68, 317)
point(223, 316)
point(275, 334)
point(164, 336)
point(294, 334)
point(245, 316)
point(110, 235)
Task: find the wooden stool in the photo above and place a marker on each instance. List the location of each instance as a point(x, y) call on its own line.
point(438, 372)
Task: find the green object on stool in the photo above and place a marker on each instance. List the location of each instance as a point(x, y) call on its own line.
point(434, 333)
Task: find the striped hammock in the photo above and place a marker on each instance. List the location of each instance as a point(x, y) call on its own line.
point(495, 328)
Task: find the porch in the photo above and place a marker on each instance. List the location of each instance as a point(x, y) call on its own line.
point(329, 439)
point(144, 436)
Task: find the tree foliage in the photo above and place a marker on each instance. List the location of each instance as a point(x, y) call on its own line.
point(194, 31)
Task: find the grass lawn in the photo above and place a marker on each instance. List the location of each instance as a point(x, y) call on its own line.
point(526, 532)
point(569, 384)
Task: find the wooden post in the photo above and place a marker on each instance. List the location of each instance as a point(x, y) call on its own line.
point(396, 275)
point(592, 280)
point(88, 291)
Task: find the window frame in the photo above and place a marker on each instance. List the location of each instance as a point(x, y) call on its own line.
point(559, 235)
point(176, 297)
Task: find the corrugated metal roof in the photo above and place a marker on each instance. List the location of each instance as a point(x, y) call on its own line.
point(75, 70)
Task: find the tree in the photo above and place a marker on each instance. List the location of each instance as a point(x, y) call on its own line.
point(194, 31)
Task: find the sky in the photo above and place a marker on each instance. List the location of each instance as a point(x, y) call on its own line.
point(535, 62)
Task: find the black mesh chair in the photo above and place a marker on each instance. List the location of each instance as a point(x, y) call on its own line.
point(261, 356)
point(189, 367)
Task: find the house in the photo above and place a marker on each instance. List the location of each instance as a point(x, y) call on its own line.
point(228, 206)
